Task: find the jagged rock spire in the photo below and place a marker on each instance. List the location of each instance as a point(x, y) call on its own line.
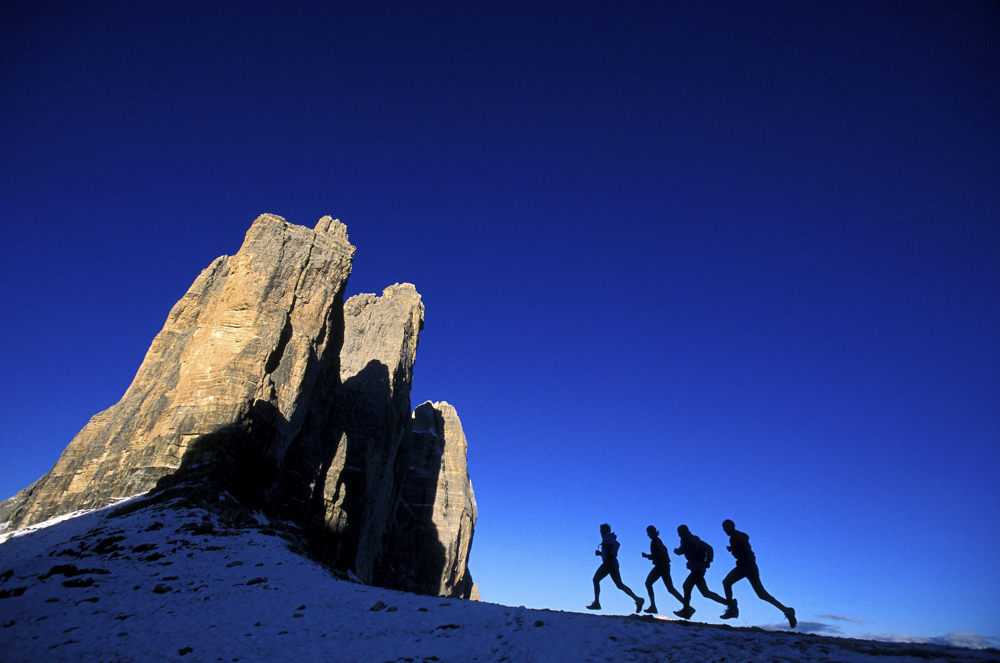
point(234, 364)
point(265, 384)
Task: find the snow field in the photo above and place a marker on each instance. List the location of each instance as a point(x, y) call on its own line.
point(170, 582)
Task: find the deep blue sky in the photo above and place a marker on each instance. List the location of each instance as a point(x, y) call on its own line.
point(681, 261)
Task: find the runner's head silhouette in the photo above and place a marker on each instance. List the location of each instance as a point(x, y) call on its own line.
point(605, 529)
point(728, 526)
point(683, 529)
point(651, 531)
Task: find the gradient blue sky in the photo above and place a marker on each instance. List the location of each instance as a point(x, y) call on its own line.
point(681, 261)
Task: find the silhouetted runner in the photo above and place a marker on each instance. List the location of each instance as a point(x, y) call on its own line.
point(661, 568)
point(609, 567)
point(746, 567)
point(699, 556)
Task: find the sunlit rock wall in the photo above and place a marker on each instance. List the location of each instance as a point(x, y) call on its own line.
point(235, 364)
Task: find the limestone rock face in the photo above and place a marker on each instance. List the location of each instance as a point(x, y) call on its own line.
point(266, 385)
point(227, 384)
point(436, 518)
point(361, 487)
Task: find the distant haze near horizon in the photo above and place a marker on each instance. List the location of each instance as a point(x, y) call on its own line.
point(680, 263)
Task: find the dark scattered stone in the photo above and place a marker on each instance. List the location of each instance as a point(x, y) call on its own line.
point(421, 609)
point(204, 528)
point(155, 526)
point(391, 608)
point(108, 545)
point(256, 581)
point(153, 557)
point(378, 606)
point(6, 575)
point(446, 627)
point(78, 582)
point(70, 570)
point(92, 599)
point(137, 587)
point(53, 600)
point(297, 615)
point(611, 637)
point(9, 624)
point(232, 564)
point(162, 589)
point(7, 593)
point(145, 547)
point(539, 623)
point(301, 607)
point(186, 650)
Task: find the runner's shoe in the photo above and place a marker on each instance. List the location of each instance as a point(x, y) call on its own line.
point(790, 614)
point(684, 613)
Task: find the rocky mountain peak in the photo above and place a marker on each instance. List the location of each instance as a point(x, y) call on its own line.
point(265, 384)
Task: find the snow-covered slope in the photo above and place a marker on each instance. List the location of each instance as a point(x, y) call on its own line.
point(170, 581)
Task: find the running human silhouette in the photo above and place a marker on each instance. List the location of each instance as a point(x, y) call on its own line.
point(609, 567)
point(746, 567)
point(699, 557)
point(661, 569)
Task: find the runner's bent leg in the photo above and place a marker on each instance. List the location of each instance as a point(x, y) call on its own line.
point(602, 571)
point(734, 577)
point(653, 576)
point(688, 586)
point(670, 585)
point(707, 593)
point(616, 576)
point(754, 579)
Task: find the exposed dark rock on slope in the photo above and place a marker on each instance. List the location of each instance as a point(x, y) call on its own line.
point(257, 387)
